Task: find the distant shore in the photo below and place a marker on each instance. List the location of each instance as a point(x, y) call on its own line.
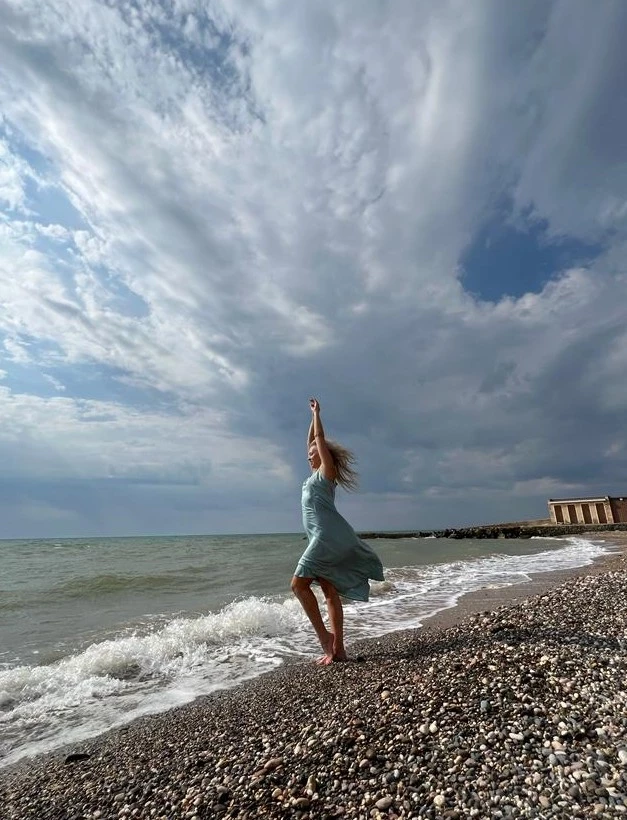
point(501, 531)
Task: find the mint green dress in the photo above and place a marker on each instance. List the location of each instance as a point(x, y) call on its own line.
point(335, 553)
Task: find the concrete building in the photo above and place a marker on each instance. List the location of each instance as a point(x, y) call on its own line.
point(605, 510)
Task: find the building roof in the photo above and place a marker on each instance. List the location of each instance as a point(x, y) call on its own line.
point(578, 500)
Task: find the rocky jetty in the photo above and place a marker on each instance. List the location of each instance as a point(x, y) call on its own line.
point(519, 712)
point(501, 531)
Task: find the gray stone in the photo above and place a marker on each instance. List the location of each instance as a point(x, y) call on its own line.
point(384, 803)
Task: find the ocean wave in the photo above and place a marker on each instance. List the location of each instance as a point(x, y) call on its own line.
point(10, 601)
point(102, 585)
point(114, 681)
point(114, 583)
point(182, 644)
point(419, 592)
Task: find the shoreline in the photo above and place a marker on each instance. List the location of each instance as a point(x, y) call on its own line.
point(488, 599)
point(428, 723)
point(371, 653)
point(468, 604)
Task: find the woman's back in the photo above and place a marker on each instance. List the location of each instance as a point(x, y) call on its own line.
point(321, 520)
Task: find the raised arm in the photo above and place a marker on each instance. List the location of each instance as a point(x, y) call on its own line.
point(310, 434)
point(327, 466)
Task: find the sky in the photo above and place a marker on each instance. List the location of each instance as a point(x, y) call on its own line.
point(212, 210)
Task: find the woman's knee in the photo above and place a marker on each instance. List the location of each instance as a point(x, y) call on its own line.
point(300, 584)
point(328, 590)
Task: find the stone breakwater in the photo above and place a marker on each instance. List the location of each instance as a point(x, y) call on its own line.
point(502, 531)
point(519, 712)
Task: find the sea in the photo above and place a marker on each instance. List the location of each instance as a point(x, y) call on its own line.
point(96, 632)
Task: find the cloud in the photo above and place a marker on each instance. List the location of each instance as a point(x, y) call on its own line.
point(105, 440)
point(574, 171)
point(232, 206)
point(11, 178)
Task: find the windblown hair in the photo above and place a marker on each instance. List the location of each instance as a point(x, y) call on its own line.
point(343, 460)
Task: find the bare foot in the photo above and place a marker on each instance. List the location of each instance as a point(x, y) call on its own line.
point(325, 660)
point(327, 645)
point(339, 653)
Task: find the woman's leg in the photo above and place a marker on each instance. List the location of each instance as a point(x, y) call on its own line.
point(301, 587)
point(336, 618)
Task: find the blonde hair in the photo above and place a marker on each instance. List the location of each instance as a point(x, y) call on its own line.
point(343, 460)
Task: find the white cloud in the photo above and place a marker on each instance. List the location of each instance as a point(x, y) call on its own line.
point(13, 176)
point(58, 385)
point(16, 351)
point(56, 232)
point(64, 438)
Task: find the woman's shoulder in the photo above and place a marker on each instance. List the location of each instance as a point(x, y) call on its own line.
point(320, 476)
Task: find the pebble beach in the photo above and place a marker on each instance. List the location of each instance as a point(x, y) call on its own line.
point(513, 704)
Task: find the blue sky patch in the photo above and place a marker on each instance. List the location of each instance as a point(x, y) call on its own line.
point(19, 146)
point(122, 299)
point(510, 259)
point(85, 380)
point(53, 207)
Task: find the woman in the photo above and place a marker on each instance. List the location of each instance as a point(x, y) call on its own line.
point(335, 557)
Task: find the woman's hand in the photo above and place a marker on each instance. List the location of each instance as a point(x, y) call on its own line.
point(315, 405)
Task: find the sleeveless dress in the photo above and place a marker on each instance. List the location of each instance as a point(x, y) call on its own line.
point(335, 553)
